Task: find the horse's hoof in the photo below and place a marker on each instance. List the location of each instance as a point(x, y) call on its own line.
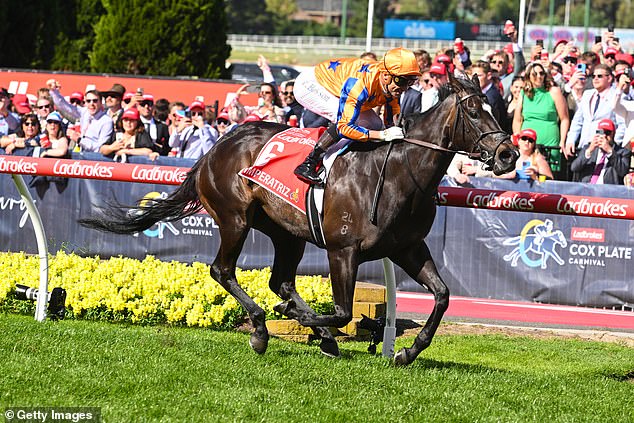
point(401, 358)
point(258, 344)
point(329, 347)
point(284, 306)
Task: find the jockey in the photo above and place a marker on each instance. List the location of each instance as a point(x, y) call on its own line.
point(345, 91)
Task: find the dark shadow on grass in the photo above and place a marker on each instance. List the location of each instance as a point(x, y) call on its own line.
point(627, 377)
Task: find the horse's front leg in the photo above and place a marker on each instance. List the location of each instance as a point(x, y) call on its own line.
point(419, 265)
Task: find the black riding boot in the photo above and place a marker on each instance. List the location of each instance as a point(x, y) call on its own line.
point(307, 171)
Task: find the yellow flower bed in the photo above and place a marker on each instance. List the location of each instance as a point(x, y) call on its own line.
point(149, 291)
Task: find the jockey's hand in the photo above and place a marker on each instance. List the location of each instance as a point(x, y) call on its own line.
point(392, 133)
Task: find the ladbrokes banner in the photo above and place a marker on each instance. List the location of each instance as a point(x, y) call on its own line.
point(481, 253)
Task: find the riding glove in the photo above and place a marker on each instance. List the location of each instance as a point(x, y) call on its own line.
point(392, 133)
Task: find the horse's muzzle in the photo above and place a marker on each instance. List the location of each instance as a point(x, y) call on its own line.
point(505, 157)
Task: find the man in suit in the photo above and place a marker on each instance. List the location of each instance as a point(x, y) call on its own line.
point(410, 102)
point(498, 109)
point(602, 161)
point(158, 130)
point(595, 104)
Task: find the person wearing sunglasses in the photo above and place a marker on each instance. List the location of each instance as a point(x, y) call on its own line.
point(345, 91)
point(158, 131)
point(596, 104)
point(25, 139)
point(43, 108)
point(543, 108)
point(292, 106)
point(602, 161)
point(531, 164)
point(95, 126)
point(193, 137)
point(53, 141)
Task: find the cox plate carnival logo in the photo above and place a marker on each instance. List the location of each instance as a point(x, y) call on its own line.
point(195, 225)
point(539, 241)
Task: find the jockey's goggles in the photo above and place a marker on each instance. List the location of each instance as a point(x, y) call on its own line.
point(403, 81)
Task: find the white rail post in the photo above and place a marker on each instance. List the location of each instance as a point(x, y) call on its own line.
point(42, 248)
point(389, 333)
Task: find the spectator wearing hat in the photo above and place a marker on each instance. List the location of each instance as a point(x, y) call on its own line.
point(114, 97)
point(159, 134)
point(95, 125)
point(9, 121)
point(437, 77)
point(131, 138)
point(596, 104)
point(193, 137)
point(609, 57)
point(21, 104)
point(531, 164)
point(76, 98)
point(224, 124)
point(602, 161)
point(53, 142)
point(128, 100)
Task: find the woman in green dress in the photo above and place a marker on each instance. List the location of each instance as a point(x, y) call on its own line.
point(543, 108)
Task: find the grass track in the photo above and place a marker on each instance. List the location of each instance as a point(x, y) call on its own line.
point(138, 374)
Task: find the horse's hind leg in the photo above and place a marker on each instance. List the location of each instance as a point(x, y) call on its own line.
point(288, 253)
point(233, 232)
point(419, 265)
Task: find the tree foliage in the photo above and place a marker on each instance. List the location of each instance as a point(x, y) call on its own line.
point(163, 37)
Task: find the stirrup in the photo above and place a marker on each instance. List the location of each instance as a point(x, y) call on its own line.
point(305, 174)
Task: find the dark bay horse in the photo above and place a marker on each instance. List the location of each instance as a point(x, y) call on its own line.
point(406, 210)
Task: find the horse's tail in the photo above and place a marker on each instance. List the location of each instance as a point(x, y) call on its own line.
point(123, 219)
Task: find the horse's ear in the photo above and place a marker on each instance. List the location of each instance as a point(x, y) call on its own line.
point(475, 80)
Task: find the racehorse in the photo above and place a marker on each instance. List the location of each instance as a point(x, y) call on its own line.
point(406, 210)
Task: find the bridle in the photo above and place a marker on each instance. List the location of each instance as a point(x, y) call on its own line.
point(477, 152)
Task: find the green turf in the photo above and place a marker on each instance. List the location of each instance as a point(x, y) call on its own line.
point(138, 374)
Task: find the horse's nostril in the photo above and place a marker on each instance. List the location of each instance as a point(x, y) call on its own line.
point(507, 156)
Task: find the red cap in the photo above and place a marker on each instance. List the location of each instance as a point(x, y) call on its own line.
point(438, 69)
point(573, 54)
point(443, 58)
point(606, 125)
point(128, 95)
point(508, 27)
point(528, 133)
point(223, 115)
point(197, 105)
point(77, 96)
point(131, 113)
point(562, 40)
point(21, 103)
point(610, 51)
point(626, 58)
point(252, 118)
point(148, 97)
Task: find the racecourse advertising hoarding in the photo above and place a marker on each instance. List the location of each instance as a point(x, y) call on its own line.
point(480, 251)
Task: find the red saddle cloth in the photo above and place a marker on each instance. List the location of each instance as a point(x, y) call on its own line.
point(274, 166)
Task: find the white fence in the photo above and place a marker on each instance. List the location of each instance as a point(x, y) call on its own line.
point(334, 46)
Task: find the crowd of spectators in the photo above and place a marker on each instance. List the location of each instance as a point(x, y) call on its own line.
point(571, 113)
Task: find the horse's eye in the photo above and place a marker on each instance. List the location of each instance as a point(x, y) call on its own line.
point(473, 113)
